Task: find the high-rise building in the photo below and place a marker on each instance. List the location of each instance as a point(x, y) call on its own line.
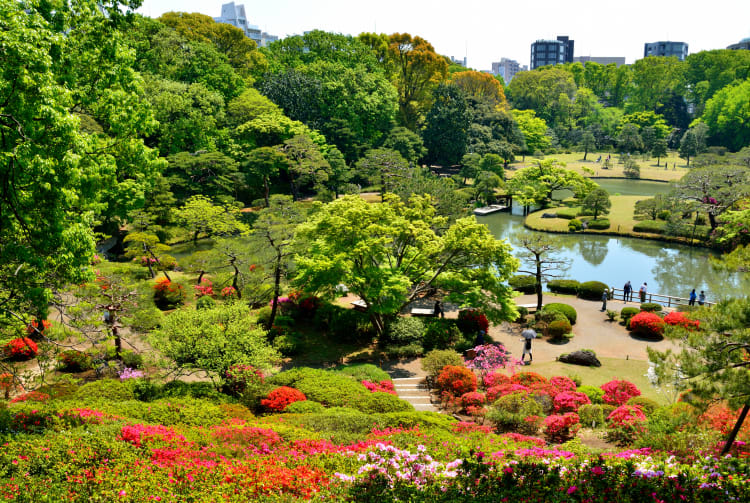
point(602, 60)
point(507, 69)
point(552, 52)
point(666, 48)
point(235, 15)
point(742, 44)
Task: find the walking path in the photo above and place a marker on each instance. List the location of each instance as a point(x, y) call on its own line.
point(410, 383)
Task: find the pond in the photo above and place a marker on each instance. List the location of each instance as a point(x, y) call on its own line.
point(669, 269)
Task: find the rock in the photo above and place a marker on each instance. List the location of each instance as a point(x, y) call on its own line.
point(549, 215)
point(586, 358)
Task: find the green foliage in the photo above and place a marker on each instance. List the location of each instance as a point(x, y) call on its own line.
point(364, 371)
point(646, 404)
point(628, 312)
point(440, 333)
point(566, 286)
point(650, 226)
point(411, 350)
point(559, 329)
point(304, 407)
point(445, 134)
point(651, 307)
point(575, 225)
point(596, 203)
point(112, 390)
point(631, 169)
point(434, 361)
point(568, 213)
point(591, 415)
point(726, 116)
point(534, 185)
point(592, 290)
point(569, 311)
point(214, 339)
point(600, 224)
point(523, 283)
point(406, 330)
point(509, 412)
point(594, 393)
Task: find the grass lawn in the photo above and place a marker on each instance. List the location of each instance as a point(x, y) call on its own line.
point(649, 170)
point(612, 368)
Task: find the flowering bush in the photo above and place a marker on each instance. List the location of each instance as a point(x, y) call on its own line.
point(456, 380)
point(205, 288)
point(528, 378)
point(74, 361)
point(489, 357)
point(494, 379)
point(279, 398)
point(31, 328)
point(569, 401)
point(679, 319)
point(469, 427)
point(624, 424)
point(168, 294)
point(308, 306)
point(472, 321)
point(137, 434)
point(383, 386)
point(229, 292)
point(496, 392)
point(561, 428)
point(558, 384)
point(618, 392)
point(7, 384)
point(647, 325)
point(21, 348)
point(31, 396)
point(472, 399)
point(239, 377)
point(128, 373)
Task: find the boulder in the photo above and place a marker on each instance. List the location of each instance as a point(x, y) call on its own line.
point(549, 215)
point(586, 358)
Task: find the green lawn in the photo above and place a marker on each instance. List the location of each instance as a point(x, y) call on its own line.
point(649, 170)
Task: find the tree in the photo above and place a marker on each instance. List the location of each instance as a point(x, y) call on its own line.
point(384, 165)
point(494, 164)
point(446, 133)
point(211, 174)
point(597, 202)
point(539, 252)
point(306, 163)
point(481, 86)
point(713, 359)
point(448, 201)
point(588, 142)
point(629, 140)
point(389, 254)
point(470, 166)
point(406, 142)
point(535, 184)
point(651, 207)
point(264, 163)
point(534, 130)
point(202, 216)
point(715, 189)
point(541, 90)
point(212, 340)
point(659, 149)
point(340, 173)
point(693, 142)
point(631, 169)
point(654, 79)
point(484, 186)
point(274, 231)
point(148, 248)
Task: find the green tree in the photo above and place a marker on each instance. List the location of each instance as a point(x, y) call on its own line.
point(446, 132)
point(212, 174)
point(710, 71)
point(406, 142)
point(535, 184)
point(654, 79)
point(728, 116)
point(659, 149)
point(389, 254)
point(494, 164)
point(264, 163)
point(470, 166)
point(597, 202)
point(588, 142)
point(148, 248)
point(341, 173)
point(484, 186)
point(213, 340)
point(693, 142)
point(715, 189)
point(651, 207)
point(539, 252)
point(534, 130)
point(629, 140)
point(306, 164)
point(202, 216)
point(631, 169)
point(383, 165)
point(541, 90)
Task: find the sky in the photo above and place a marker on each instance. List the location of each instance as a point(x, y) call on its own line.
point(485, 31)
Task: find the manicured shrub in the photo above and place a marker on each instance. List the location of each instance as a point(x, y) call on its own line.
point(440, 333)
point(456, 380)
point(404, 331)
point(522, 313)
point(472, 321)
point(647, 405)
point(559, 329)
point(472, 399)
point(595, 394)
point(74, 361)
point(649, 226)
point(561, 428)
point(279, 398)
point(592, 290)
point(435, 360)
point(575, 225)
point(600, 224)
point(651, 307)
point(648, 325)
point(566, 286)
point(624, 424)
point(628, 312)
point(380, 403)
point(205, 302)
point(397, 351)
point(523, 283)
point(569, 311)
point(591, 415)
point(509, 413)
point(113, 389)
point(568, 213)
point(304, 407)
point(676, 318)
point(617, 392)
point(569, 401)
point(528, 378)
point(559, 384)
point(364, 371)
point(21, 348)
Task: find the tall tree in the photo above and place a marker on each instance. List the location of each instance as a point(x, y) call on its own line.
point(211, 174)
point(654, 79)
point(629, 140)
point(693, 142)
point(597, 202)
point(728, 116)
point(265, 163)
point(588, 143)
point(481, 86)
point(202, 216)
point(446, 133)
point(385, 166)
point(306, 163)
point(715, 189)
point(534, 130)
point(535, 184)
point(406, 142)
point(539, 252)
point(389, 254)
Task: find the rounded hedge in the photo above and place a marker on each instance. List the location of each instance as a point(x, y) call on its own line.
point(600, 224)
point(594, 393)
point(628, 312)
point(523, 283)
point(651, 307)
point(575, 225)
point(569, 311)
point(646, 404)
point(569, 286)
point(434, 361)
point(304, 407)
point(650, 226)
point(559, 329)
point(647, 325)
point(592, 290)
point(406, 330)
point(568, 213)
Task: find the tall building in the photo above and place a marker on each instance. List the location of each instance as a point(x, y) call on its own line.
point(507, 69)
point(551, 52)
point(666, 48)
point(235, 15)
point(602, 60)
point(742, 44)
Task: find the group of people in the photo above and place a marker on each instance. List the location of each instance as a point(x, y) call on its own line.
point(628, 292)
point(701, 298)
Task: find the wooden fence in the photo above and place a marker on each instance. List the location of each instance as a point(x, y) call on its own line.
point(664, 300)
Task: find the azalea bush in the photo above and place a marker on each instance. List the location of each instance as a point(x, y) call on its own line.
point(624, 424)
point(472, 321)
point(279, 398)
point(456, 380)
point(490, 357)
point(677, 318)
point(569, 401)
point(168, 294)
point(560, 428)
point(21, 348)
point(647, 325)
point(382, 386)
point(618, 392)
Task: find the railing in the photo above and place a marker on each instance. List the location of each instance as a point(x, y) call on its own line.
point(664, 300)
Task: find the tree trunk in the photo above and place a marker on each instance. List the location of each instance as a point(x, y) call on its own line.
point(585, 153)
point(735, 430)
point(657, 161)
point(712, 220)
point(195, 237)
point(266, 190)
point(538, 286)
point(200, 277)
point(234, 278)
point(276, 290)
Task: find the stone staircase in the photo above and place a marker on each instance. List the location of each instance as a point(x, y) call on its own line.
point(415, 391)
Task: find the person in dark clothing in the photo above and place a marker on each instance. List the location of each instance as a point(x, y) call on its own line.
point(693, 296)
point(627, 292)
point(701, 298)
point(439, 309)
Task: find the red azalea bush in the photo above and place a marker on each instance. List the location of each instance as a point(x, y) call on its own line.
point(456, 380)
point(205, 288)
point(21, 348)
point(279, 398)
point(646, 325)
point(472, 321)
point(528, 378)
point(561, 428)
point(569, 401)
point(31, 328)
point(384, 386)
point(558, 384)
point(229, 292)
point(494, 379)
point(469, 427)
point(618, 392)
point(167, 294)
point(7, 384)
point(307, 306)
point(31, 396)
point(240, 377)
point(496, 392)
point(624, 424)
point(677, 318)
point(137, 434)
point(472, 399)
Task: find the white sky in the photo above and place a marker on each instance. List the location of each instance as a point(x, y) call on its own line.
point(485, 31)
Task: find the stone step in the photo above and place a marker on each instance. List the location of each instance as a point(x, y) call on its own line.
point(407, 379)
point(425, 407)
point(410, 386)
point(414, 397)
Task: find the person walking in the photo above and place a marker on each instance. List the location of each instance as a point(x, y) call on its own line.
point(693, 296)
point(604, 300)
point(701, 298)
point(528, 335)
point(627, 292)
point(642, 292)
point(439, 309)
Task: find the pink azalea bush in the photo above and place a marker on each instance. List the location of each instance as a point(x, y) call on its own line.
point(384, 386)
point(618, 392)
point(625, 423)
point(569, 401)
point(561, 428)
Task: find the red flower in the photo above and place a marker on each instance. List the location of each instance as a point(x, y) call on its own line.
point(456, 380)
point(679, 319)
point(279, 398)
point(22, 347)
point(618, 392)
point(646, 324)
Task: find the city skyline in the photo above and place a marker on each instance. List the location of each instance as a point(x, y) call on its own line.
point(484, 32)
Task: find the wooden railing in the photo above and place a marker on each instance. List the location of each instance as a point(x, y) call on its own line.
point(664, 300)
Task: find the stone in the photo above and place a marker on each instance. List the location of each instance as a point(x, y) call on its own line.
point(549, 215)
point(585, 358)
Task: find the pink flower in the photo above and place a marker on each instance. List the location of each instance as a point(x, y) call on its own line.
point(122, 493)
point(572, 489)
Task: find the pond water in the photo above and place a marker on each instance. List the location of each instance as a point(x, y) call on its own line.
point(669, 269)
